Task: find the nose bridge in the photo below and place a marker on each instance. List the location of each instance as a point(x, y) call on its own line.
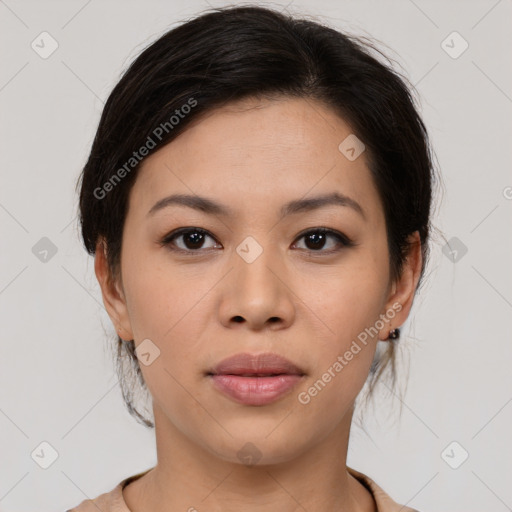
point(257, 292)
point(256, 264)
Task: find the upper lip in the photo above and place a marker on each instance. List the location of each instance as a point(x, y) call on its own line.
point(256, 364)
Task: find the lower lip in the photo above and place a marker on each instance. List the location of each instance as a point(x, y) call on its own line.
point(255, 390)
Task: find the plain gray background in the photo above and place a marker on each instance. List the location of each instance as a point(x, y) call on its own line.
point(57, 380)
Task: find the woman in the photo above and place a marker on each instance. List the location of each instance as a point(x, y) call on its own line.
point(258, 201)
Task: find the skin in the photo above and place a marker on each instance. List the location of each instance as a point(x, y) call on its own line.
point(307, 306)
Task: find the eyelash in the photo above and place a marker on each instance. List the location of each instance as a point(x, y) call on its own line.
point(342, 239)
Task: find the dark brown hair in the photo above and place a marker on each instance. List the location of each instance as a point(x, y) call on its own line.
point(232, 53)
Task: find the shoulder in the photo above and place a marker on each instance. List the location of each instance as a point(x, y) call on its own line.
point(384, 502)
point(111, 501)
point(108, 502)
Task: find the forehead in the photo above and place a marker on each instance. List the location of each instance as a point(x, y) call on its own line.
point(254, 152)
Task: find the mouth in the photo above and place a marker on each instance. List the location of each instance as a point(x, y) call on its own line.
point(252, 374)
point(256, 365)
point(258, 379)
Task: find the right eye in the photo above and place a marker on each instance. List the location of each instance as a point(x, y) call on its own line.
point(192, 239)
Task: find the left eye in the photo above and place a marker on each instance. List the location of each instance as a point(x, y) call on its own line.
point(316, 239)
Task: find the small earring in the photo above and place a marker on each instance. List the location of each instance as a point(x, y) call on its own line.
point(394, 334)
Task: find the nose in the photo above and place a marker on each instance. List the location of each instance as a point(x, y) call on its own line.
point(258, 294)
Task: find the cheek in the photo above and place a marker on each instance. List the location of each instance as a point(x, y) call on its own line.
point(159, 295)
point(169, 306)
point(349, 305)
point(166, 308)
point(352, 296)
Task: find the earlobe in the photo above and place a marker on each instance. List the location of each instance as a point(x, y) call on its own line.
point(112, 294)
point(403, 290)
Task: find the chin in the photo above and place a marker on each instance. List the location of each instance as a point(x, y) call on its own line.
point(260, 444)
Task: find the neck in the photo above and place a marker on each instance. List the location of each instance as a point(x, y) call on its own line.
point(192, 478)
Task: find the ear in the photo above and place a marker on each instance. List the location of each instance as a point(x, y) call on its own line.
point(112, 293)
point(402, 291)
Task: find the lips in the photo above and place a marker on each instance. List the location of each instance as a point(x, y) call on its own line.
point(256, 365)
point(255, 379)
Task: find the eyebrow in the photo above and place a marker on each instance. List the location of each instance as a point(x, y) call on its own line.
point(212, 207)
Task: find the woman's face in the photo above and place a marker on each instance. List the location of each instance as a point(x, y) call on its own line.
point(259, 279)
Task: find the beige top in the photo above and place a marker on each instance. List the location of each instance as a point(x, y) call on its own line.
point(113, 501)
